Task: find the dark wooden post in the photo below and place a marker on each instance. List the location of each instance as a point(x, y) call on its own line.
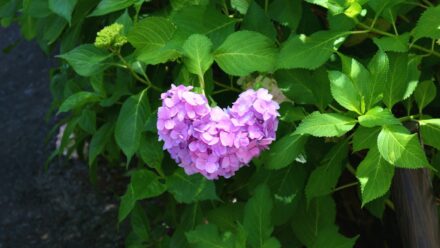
point(415, 208)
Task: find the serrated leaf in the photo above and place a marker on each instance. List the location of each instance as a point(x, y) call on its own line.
point(378, 116)
point(309, 52)
point(284, 151)
point(325, 177)
point(244, 52)
point(310, 219)
point(399, 43)
point(379, 67)
point(99, 140)
point(198, 57)
point(344, 91)
point(365, 138)
point(207, 235)
point(87, 59)
point(257, 222)
point(77, 100)
point(286, 12)
point(325, 125)
point(425, 94)
point(427, 25)
point(375, 176)
point(109, 6)
point(187, 189)
point(400, 148)
point(430, 132)
point(130, 123)
point(63, 8)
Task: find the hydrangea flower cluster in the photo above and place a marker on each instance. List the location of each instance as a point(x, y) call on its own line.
point(213, 141)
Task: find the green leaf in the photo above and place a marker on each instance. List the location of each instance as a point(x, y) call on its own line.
point(207, 235)
point(297, 85)
point(87, 59)
point(379, 67)
point(425, 94)
point(130, 123)
point(375, 176)
point(324, 178)
point(309, 52)
point(310, 219)
point(430, 132)
point(63, 8)
point(325, 125)
point(257, 20)
point(240, 5)
point(378, 116)
point(145, 184)
point(334, 6)
point(365, 138)
point(198, 57)
point(244, 52)
point(139, 223)
point(151, 32)
point(357, 73)
point(399, 44)
point(400, 148)
point(87, 121)
point(78, 100)
point(187, 189)
point(109, 6)
point(344, 91)
point(330, 237)
point(99, 140)
point(257, 221)
point(284, 151)
point(150, 150)
point(428, 24)
point(286, 12)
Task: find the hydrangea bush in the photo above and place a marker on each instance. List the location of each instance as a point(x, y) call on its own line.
point(246, 123)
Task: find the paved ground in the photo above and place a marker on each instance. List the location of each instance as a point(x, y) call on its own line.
point(57, 208)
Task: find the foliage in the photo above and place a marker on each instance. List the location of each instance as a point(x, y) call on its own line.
point(358, 80)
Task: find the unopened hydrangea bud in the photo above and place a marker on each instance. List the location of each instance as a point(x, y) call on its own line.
point(111, 36)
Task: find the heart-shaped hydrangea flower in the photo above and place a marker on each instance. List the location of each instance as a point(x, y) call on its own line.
point(213, 141)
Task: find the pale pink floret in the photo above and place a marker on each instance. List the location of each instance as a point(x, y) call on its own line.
point(213, 141)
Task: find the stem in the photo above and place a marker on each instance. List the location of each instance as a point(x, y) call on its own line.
point(408, 118)
point(334, 108)
point(266, 6)
point(231, 88)
point(345, 186)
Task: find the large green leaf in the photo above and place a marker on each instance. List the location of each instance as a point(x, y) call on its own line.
point(130, 123)
point(109, 6)
point(375, 175)
point(357, 73)
point(325, 177)
point(99, 140)
point(87, 59)
point(207, 235)
point(400, 148)
point(310, 219)
point(345, 92)
point(309, 52)
point(198, 57)
point(286, 12)
point(425, 94)
point(296, 84)
point(257, 221)
point(325, 125)
point(78, 100)
point(379, 67)
point(365, 138)
point(285, 151)
point(244, 52)
point(150, 150)
point(378, 116)
point(187, 189)
point(428, 24)
point(330, 237)
point(430, 132)
point(257, 20)
point(63, 8)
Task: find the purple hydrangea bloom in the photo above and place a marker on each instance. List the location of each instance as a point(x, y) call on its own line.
point(213, 141)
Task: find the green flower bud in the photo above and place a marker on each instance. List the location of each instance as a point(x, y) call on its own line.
point(111, 36)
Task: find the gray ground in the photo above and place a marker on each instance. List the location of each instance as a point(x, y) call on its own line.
point(57, 208)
